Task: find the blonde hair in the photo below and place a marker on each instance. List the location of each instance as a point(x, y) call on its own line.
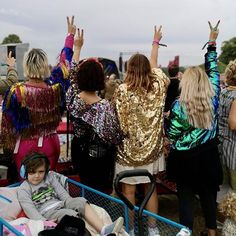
point(139, 74)
point(228, 206)
point(230, 73)
point(111, 84)
point(196, 94)
point(36, 64)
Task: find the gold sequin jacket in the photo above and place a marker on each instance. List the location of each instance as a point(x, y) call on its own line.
point(141, 119)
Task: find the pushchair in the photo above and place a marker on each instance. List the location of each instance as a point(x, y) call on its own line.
point(115, 207)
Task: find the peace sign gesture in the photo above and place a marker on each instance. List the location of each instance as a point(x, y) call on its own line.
point(79, 39)
point(214, 31)
point(71, 28)
point(157, 33)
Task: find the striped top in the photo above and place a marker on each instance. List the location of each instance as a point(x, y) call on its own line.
point(227, 136)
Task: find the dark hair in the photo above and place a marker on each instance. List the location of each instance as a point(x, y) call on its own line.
point(90, 76)
point(34, 160)
point(173, 72)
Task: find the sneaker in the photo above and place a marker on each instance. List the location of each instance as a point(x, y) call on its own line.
point(153, 231)
point(183, 232)
point(115, 227)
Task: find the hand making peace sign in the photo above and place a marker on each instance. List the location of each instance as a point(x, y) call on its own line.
point(214, 31)
point(79, 39)
point(71, 28)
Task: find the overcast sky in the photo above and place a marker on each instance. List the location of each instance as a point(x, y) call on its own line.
point(118, 26)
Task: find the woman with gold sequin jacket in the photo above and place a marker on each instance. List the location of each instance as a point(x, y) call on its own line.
point(139, 103)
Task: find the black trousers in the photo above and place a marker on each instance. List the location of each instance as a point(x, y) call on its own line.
point(186, 195)
point(96, 172)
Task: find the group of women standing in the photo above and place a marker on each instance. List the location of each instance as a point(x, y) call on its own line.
point(127, 131)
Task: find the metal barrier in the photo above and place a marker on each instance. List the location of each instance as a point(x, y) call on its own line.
point(115, 208)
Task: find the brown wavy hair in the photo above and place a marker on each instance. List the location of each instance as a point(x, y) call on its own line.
point(139, 74)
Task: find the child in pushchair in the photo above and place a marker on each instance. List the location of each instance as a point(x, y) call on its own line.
point(42, 197)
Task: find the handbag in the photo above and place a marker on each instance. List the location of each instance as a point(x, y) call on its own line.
point(95, 146)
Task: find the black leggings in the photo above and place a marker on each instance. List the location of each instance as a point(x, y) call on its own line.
point(186, 195)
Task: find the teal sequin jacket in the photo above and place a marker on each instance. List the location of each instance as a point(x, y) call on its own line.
point(182, 135)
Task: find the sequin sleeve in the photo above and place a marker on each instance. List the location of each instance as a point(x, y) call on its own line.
point(212, 69)
point(10, 118)
point(60, 72)
point(159, 75)
point(122, 106)
point(177, 123)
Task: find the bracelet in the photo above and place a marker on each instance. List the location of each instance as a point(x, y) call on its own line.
point(157, 42)
point(210, 42)
point(70, 34)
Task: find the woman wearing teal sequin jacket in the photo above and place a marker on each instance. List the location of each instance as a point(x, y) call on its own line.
point(193, 162)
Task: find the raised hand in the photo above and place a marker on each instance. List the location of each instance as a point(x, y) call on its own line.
point(71, 28)
point(10, 61)
point(214, 31)
point(79, 39)
point(157, 33)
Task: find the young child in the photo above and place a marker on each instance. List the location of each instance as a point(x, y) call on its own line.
point(228, 207)
point(42, 197)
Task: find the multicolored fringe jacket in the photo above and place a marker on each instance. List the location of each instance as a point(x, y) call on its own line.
point(30, 111)
point(184, 136)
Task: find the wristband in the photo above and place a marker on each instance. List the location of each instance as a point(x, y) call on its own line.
point(157, 42)
point(210, 42)
point(70, 34)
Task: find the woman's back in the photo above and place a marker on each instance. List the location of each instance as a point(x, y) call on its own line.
point(33, 116)
point(141, 119)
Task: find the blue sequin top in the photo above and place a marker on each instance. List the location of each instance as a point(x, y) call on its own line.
point(184, 136)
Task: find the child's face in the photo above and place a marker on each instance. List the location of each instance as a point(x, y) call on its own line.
point(37, 176)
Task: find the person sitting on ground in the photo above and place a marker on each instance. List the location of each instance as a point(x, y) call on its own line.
point(11, 77)
point(42, 197)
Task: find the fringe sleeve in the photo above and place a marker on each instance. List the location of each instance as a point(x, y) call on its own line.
point(8, 130)
point(60, 73)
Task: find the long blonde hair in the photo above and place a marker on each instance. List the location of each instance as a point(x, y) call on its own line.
point(139, 74)
point(196, 94)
